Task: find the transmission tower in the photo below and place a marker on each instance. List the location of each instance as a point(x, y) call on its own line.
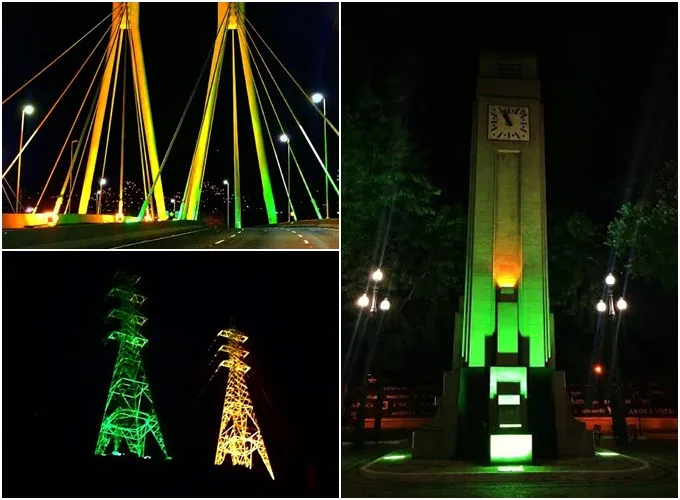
point(124, 415)
point(237, 438)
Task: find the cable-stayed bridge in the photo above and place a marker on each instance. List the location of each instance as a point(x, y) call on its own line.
point(84, 201)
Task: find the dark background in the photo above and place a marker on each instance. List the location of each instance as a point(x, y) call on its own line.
point(177, 38)
point(609, 86)
point(57, 370)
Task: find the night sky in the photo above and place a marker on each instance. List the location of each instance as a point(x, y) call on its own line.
point(177, 38)
point(608, 75)
point(57, 370)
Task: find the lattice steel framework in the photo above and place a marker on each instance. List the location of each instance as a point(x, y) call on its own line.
point(125, 418)
point(236, 437)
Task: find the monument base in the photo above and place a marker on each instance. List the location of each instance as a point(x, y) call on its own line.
point(461, 427)
point(437, 439)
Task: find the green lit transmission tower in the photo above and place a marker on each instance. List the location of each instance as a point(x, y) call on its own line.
point(129, 414)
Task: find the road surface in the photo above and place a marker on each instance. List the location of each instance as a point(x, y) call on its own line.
point(271, 237)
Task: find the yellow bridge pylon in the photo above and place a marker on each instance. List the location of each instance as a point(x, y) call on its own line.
point(124, 38)
point(237, 438)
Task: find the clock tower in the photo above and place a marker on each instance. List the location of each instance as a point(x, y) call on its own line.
point(503, 401)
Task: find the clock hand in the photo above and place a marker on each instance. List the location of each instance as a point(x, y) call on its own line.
point(507, 119)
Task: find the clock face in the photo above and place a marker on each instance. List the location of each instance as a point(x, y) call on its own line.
point(508, 123)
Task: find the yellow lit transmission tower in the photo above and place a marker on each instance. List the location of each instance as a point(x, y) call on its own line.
point(237, 438)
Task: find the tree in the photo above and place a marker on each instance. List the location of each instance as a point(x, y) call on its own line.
point(645, 233)
point(577, 256)
point(393, 218)
point(390, 208)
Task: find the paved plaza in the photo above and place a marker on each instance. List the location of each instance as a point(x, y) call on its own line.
point(646, 469)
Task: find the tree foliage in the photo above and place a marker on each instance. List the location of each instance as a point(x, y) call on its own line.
point(645, 233)
point(577, 258)
point(390, 209)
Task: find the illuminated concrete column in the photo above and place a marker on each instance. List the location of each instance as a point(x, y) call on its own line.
point(139, 78)
point(267, 192)
point(192, 194)
point(504, 339)
point(118, 25)
point(125, 18)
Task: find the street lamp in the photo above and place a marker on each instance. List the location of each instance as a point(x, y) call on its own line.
point(172, 200)
point(286, 139)
point(100, 193)
point(608, 306)
point(316, 99)
point(226, 193)
point(364, 300)
point(70, 172)
point(614, 388)
point(28, 110)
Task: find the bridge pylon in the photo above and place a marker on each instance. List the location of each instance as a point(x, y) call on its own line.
point(230, 18)
point(125, 21)
point(237, 438)
point(129, 415)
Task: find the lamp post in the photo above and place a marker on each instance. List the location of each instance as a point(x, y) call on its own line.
point(284, 138)
point(28, 110)
point(70, 172)
point(608, 306)
point(100, 194)
point(371, 302)
point(226, 194)
point(173, 213)
point(618, 412)
point(364, 301)
point(316, 99)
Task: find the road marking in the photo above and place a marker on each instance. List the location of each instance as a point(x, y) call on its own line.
point(306, 242)
point(161, 238)
point(293, 231)
point(232, 235)
point(218, 242)
point(299, 236)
